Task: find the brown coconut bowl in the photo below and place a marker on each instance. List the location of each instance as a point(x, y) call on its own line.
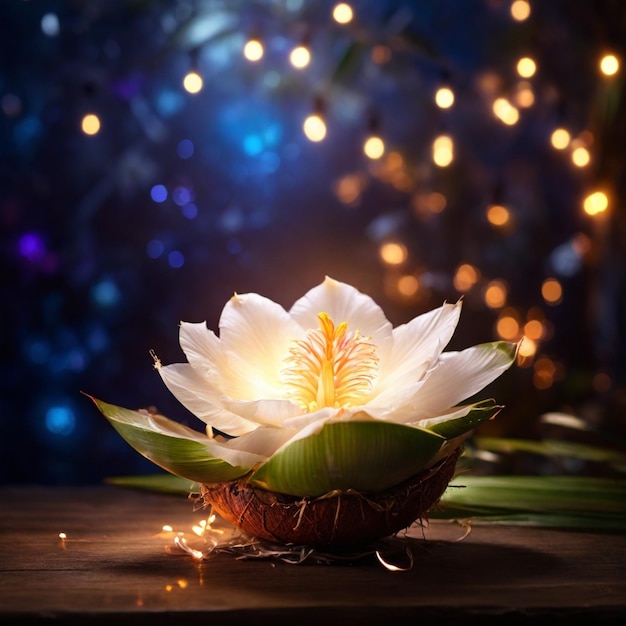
point(336, 520)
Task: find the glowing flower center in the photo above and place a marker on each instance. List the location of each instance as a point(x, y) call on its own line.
point(330, 367)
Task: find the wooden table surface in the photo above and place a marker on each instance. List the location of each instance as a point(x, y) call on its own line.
point(117, 565)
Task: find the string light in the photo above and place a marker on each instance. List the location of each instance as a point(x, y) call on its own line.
point(495, 294)
point(498, 215)
point(609, 65)
point(551, 291)
point(520, 10)
point(466, 277)
point(343, 13)
point(526, 67)
point(408, 285)
point(596, 203)
point(507, 326)
point(560, 139)
point(253, 50)
point(505, 111)
point(580, 156)
point(444, 98)
point(374, 147)
point(90, 124)
point(393, 253)
point(300, 57)
point(443, 151)
point(314, 127)
point(524, 96)
point(533, 329)
point(193, 82)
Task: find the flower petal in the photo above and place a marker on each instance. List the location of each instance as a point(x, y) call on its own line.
point(460, 375)
point(344, 303)
point(264, 441)
point(416, 346)
point(194, 391)
point(265, 412)
point(256, 333)
point(205, 353)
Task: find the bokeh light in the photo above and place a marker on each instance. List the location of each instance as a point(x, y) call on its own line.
point(90, 124)
point(253, 50)
point(314, 128)
point(374, 147)
point(343, 13)
point(193, 82)
point(609, 65)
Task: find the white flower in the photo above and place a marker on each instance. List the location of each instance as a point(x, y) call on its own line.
point(327, 395)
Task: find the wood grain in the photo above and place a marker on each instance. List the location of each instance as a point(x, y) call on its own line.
point(117, 565)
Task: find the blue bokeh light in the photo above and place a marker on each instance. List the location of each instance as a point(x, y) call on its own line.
point(60, 420)
point(185, 149)
point(158, 193)
point(169, 102)
point(190, 211)
point(176, 259)
point(106, 293)
point(155, 248)
point(181, 196)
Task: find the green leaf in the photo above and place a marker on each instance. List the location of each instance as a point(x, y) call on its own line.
point(367, 456)
point(170, 445)
point(555, 447)
point(602, 498)
point(480, 412)
point(160, 483)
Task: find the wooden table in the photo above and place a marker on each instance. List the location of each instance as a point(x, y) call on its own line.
point(117, 565)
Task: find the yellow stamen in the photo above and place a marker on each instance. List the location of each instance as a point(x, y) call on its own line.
point(330, 367)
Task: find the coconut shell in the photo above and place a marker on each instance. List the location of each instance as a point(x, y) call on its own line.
point(335, 520)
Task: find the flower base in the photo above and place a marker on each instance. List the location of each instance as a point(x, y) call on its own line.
point(333, 520)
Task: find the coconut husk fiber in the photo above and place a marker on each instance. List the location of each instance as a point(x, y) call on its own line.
point(336, 519)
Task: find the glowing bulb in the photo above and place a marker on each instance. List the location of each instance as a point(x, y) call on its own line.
point(533, 329)
point(497, 215)
point(551, 291)
point(314, 127)
point(393, 253)
point(526, 67)
point(595, 203)
point(507, 327)
point(300, 57)
point(609, 65)
point(193, 82)
point(374, 147)
point(443, 151)
point(581, 157)
point(495, 294)
point(253, 50)
point(520, 10)
point(505, 111)
point(90, 124)
point(560, 139)
point(444, 98)
point(524, 96)
point(527, 348)
point(342, 13)
point(408, 285)
point(466, 277)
